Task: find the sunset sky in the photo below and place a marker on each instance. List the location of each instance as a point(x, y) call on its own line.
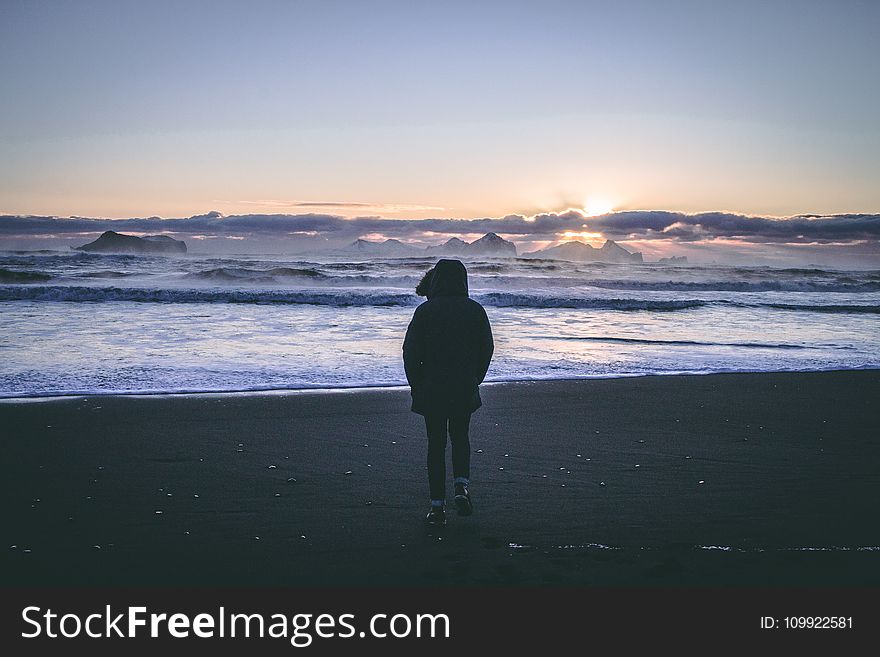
point(459, 110)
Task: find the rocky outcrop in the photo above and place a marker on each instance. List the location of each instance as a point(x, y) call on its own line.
point(113, 242)
point(580, 252)
point(489, 244)
point(388, 249)
point(452, 246)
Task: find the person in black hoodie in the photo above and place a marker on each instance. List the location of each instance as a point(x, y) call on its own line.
point(446, 355)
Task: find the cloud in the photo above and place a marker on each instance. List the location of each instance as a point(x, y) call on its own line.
point(629, 225)
point(720, 225)
point(392, 208)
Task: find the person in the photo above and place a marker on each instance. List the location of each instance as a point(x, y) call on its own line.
point(446, 354)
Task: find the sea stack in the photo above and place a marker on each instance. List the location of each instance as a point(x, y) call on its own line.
point(489, 244)
point(113, 242)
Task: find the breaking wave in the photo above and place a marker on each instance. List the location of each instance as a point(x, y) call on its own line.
point(848, 285)
point(376, 297)
point(11, 276)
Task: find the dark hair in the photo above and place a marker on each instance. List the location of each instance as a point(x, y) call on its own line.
point(424, 285)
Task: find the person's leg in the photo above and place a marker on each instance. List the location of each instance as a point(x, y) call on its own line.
point(461, 462)
point(436, 427)
point(461, 448)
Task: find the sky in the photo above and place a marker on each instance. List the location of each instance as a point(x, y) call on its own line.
point(454, 110)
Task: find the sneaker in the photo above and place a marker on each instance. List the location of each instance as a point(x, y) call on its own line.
point(436, 516)
point(463, 500)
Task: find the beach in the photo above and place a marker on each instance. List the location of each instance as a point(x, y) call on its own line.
point(724, 479)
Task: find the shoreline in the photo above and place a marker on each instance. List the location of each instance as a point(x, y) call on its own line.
point(766, 479)
point(391, 386)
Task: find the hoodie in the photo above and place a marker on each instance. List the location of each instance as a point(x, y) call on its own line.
point(448, 280)
point(448, 346)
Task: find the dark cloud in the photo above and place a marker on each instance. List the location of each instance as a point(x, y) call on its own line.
point(629, 225)
point(329, 204)
point(715, 225)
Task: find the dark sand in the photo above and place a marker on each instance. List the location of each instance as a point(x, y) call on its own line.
point(788, 461)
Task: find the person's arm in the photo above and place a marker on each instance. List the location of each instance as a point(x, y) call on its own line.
point(413, 351)
point(485, 348)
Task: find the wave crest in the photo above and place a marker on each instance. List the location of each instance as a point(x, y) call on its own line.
point(11, 276)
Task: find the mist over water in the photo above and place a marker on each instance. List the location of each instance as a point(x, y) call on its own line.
point(92, 323)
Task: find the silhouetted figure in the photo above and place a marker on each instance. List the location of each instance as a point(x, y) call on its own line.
point(446, 355)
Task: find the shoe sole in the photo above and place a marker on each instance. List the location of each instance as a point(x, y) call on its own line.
point(464, 506)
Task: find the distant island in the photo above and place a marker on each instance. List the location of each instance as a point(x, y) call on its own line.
point(489, 244)
point(113, 242)
point(493, 245)
point(581, 252)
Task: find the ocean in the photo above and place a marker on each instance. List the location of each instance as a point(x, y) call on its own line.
point(80, 323)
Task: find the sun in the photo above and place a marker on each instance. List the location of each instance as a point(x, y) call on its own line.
point(596, 206)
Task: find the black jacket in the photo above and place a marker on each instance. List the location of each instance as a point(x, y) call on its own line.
point(448, 346)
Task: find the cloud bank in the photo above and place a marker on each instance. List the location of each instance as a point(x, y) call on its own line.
point(653, 225)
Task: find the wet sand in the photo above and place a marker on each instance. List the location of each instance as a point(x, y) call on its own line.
point(686, 480)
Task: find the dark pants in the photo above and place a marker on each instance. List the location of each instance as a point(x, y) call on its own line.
point(461, 450)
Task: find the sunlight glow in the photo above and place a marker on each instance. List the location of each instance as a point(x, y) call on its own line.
point(583, 236)
point(596, 205)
